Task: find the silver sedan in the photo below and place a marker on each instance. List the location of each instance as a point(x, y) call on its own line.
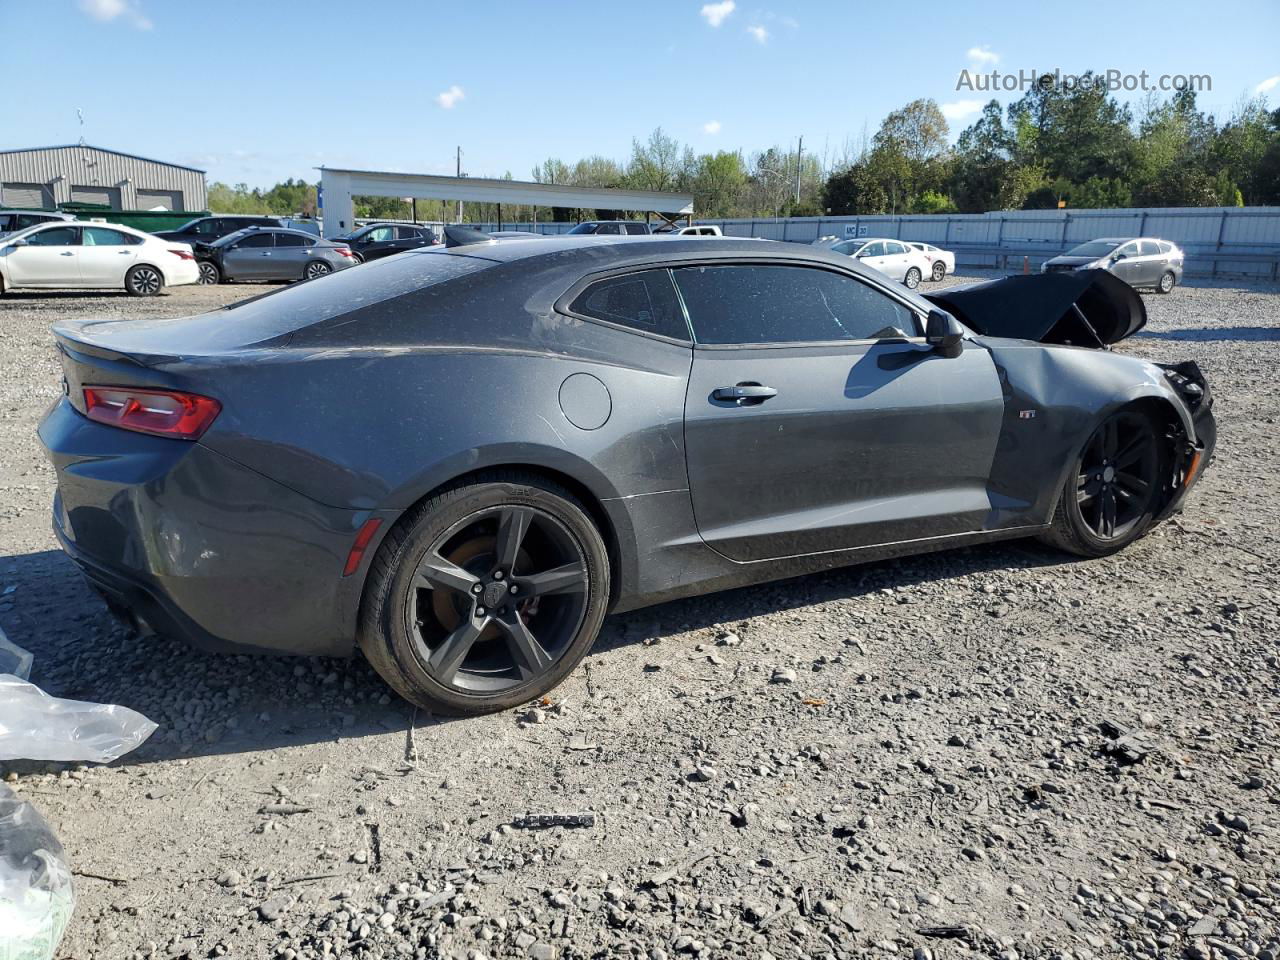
point(257, 253)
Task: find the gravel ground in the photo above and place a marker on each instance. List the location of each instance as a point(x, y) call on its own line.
point(900, 759)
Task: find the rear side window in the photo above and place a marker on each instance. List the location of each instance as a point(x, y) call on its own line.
point(782, 304)
point(408, 233)
point(636, 228)
point(292, 240)
point(642, 301)
point(102, 237)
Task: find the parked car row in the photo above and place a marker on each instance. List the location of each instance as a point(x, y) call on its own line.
point(268, 253)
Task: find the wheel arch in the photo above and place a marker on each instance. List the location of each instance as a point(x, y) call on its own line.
point(1175, 420)
point(613, 526)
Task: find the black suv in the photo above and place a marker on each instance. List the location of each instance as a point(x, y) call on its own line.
point(209, 229)
point(375, 240)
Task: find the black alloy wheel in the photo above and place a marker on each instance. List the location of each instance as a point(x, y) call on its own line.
point(497, 599)
point(486, 595)
point(1113, 494)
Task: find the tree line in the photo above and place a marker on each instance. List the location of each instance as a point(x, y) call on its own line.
point(1052, 147)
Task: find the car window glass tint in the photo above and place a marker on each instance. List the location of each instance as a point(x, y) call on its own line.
point(406, 233)
point(636, 228)
point(101, 237)
point(893, 247)
point(55, 237)
point(256, 240)
point(379, 235)
point(1149, 248)
point(292, 240)
point(780, 304)
point(644, 301)
point(873, 250)
point(608, 228)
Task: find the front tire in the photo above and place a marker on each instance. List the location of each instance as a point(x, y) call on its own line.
point(1167, 282)
point(485, 596)
point(912, 279)
point(209, 273)
point(1112, 495)
point(143, 280)
point(939, 270)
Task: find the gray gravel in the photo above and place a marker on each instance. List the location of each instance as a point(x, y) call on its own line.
point(921, 758)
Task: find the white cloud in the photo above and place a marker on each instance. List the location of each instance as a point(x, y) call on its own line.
point(712, 127)
point(760, 33)
point(108, 10)
point(715, 13)
point(449, 99)
point(960, 109)
point(983, 56)
point(1268, 84)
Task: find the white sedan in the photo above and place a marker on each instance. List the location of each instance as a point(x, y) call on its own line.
point(891, 257)
point(941, 262)
point(91, 255)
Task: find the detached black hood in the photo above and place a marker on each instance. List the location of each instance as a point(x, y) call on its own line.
point(1084, 308)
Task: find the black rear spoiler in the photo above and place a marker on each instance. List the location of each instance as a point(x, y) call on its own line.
point(1085, 308)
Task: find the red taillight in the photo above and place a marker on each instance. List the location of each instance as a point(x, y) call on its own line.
point(360, 545)
point(181, 254)
point(344, 252)
point(166, 413)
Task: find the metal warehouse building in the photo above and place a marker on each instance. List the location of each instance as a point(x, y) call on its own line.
point(44, 177)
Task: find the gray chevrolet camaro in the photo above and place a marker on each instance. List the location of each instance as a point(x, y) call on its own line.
point(461, 459)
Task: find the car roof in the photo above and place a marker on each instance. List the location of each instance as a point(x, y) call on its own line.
point(58, 214)
point(255, 228)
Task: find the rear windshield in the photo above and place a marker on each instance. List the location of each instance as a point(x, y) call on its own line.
point(286, 309)
point(1094, 248)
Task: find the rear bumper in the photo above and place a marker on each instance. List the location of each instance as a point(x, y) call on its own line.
point(184, 272)
point(198, 546)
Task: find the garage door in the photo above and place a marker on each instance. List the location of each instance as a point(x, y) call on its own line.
point(105, 196)
point(26, 196)
point(165, 199)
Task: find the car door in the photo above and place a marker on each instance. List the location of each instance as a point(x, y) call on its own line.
point(106, 255)
point(899, 258)
point(410, 238)
point(290, 256)
point(874, 256)
point(50, 257)
point(1150, 263)
point(1125, 263)
point(378, 243)
point(817, 419)
point(249, 258)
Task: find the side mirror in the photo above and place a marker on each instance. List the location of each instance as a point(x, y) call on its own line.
point(943, 332)
point(1118, 256)
point(20, 242)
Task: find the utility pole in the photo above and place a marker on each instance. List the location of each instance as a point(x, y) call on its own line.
point(799, 152)
point(459, 157)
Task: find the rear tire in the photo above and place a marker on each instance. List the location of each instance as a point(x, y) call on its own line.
point(912, 279)
point(939, 270)
point(1112, 494)
point(143, 280)
point(424, 625)
point(316, 269)
point(1167, 282)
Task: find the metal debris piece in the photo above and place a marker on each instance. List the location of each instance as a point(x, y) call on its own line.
point(544, 821)
point(283, 808)
point(1127, 744)
point(949, 932)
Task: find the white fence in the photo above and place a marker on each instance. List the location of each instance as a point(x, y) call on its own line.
point(1218, 241)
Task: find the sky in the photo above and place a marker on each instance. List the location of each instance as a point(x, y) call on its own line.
point(260, 91)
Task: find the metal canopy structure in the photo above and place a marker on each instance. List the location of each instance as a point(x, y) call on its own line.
point(338, 186)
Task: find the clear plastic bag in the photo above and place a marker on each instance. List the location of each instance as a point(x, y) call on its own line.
point(13, 659)
point(36, 726)
point(36, 895)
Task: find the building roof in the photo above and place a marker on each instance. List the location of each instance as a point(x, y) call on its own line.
point(90, 146)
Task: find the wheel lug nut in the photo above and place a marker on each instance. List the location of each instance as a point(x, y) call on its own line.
point(478, 588)
point(479, 611)
point(497, 574)
point(514, 588)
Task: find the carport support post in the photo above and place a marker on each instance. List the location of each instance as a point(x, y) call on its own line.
point(339, 214)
